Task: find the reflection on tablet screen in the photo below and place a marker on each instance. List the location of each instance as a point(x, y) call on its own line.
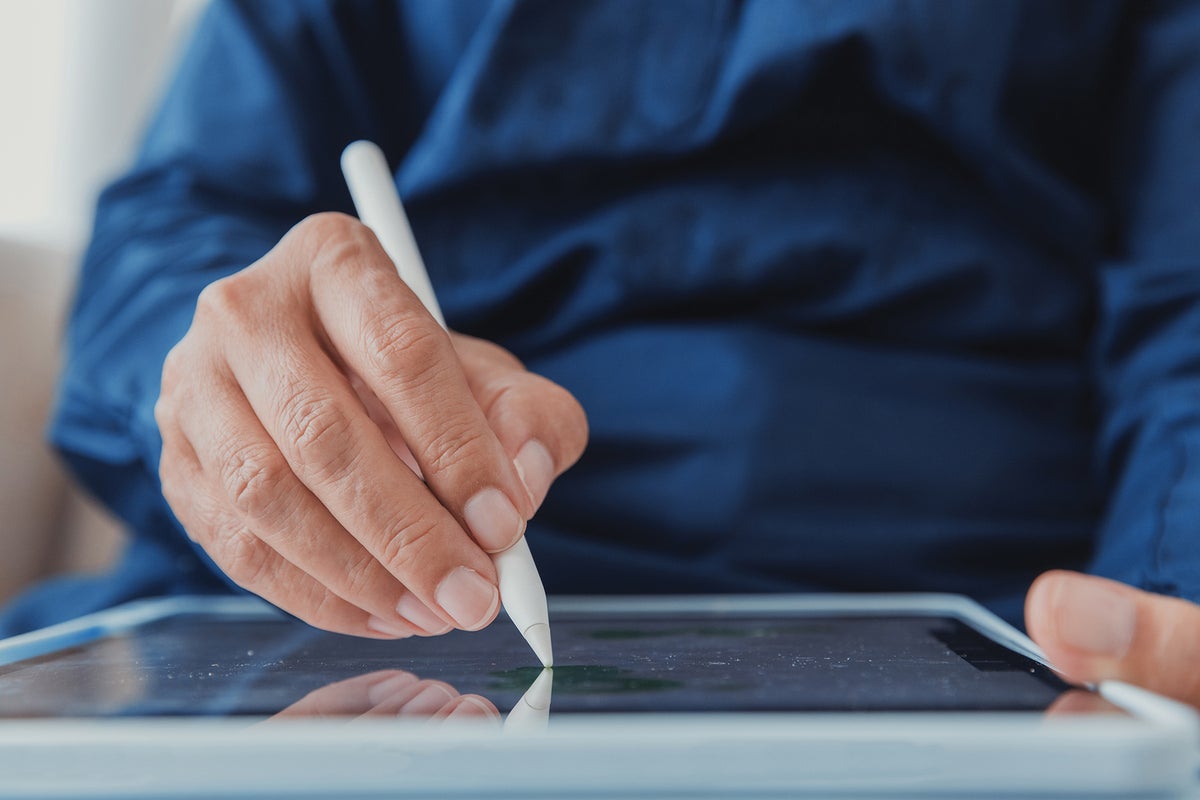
point(204, 665)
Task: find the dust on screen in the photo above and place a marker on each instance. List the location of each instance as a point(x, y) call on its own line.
point(203, 665)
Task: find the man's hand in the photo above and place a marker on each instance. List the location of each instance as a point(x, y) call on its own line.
point(336, 452)
point(391, 693)
point(1096, 629)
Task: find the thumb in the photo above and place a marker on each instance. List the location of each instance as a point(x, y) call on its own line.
point(1095, 629)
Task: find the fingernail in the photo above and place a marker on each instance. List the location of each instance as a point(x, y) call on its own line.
point(468, 598)
point(395, 629)
point(469, 707)
point(536, 468)
point(493, 520)
point(1093, 617)
point(412, 609)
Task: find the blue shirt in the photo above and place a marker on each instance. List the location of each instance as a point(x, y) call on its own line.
point(858, 296)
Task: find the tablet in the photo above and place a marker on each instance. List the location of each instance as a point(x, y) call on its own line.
point(713, 696)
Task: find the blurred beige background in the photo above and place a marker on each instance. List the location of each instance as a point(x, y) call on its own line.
point(77, 80)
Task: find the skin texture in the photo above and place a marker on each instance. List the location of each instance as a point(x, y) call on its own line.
point(1096, 629)
point(391, 693)
point(339, 454)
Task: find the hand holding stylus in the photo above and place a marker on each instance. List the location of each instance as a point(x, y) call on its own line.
point(336, 451)
point(373, 189)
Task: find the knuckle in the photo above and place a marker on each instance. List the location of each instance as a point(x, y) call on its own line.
point(405, 346)
point(220, 300)
point(337, 242)
point(233, 305)
point(253, 477)
point(210, 517)
point(245, 558)
point(164, 414)
point(359, 578)
point(312, 421)
point(328, 226)
point(323, 609)
point(406, 543)
point(504, 399)
point(455, 446)
point(172, 370)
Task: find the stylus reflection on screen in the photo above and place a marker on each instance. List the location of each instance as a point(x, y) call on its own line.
point(205, 665)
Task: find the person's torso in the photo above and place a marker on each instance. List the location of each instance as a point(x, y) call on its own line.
point(820, 273)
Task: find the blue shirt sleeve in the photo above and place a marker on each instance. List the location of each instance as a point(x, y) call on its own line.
point(1148, 331)
point(245, 145)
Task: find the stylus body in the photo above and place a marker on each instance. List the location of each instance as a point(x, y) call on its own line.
point(524, 598)
point(373, 189)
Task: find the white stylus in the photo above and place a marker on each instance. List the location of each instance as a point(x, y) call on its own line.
point(373, 188)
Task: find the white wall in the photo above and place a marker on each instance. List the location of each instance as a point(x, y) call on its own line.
point(77, 80)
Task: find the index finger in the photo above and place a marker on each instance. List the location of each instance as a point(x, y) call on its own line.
point(383, 333)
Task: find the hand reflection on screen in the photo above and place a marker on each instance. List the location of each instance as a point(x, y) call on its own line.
point(391, 693)
point(1079, 701)
point(395, 693)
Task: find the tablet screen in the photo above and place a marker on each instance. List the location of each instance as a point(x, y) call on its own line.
point(206, 665)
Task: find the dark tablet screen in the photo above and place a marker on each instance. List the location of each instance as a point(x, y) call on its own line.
point(205, 665)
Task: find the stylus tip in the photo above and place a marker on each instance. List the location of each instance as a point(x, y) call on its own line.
point(538, 636)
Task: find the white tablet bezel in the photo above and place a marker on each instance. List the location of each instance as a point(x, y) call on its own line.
point(1152, 752)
